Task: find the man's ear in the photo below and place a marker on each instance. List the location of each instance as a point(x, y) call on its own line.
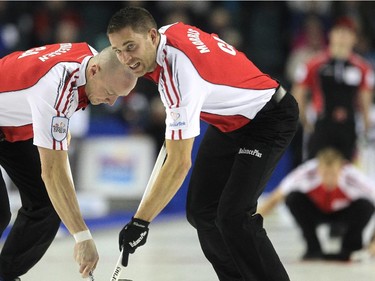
point(154, 35)
point(93, 70)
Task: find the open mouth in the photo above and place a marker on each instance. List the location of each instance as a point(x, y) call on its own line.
point(134, 66)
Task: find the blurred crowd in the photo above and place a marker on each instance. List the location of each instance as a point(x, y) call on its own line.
point(276, 36)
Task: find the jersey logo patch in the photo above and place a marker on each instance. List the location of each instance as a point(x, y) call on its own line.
point(59, 128)
point(177, 118)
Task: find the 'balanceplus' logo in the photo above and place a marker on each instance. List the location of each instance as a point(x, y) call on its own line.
point(254, 152)
point(136, 242)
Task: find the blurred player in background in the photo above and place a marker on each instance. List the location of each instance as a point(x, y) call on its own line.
point(40, 89)
point(252, 121)
point(341, 84)
point(326, 189)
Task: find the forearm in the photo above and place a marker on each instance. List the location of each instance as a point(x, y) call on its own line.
point(366, 102)
point(59, 184)
point(169, 179)
point(57, 178)
point(270, 202)
point(64, 200)
point(266, 207)
point(165, 187)
point(300, 92)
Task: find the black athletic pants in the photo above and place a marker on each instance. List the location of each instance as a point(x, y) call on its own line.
point(230, 172)
point(341, 136)
point(37, 223)
point(355, 217)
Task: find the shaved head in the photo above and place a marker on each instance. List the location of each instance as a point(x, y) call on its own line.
point(113, 71)
point(107, 78)
point(109, 63)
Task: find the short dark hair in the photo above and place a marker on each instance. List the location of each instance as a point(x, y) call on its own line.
point(138, 19)
point(346, 22)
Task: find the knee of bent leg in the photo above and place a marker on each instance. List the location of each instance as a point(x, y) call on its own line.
point(226, 223)
point(294, 198)
point(230, 224)
point(195, 218)
point(200, 218)
point(365, 207)
point(229, 218)
point(45, 215)
point(190, 216)
point(52, 217)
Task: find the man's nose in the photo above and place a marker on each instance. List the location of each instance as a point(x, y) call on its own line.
point(124, 58)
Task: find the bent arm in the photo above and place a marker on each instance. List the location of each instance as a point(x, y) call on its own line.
point(300, 94)
point(371, 247)
point(366, 97)
point(271, 202)
point(169, 180)
point(57, 178)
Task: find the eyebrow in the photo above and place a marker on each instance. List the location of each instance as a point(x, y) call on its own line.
point(127, 42)
point(123, 44)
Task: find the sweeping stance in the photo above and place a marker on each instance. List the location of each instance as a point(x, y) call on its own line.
point(252, 120)
point(40, 90)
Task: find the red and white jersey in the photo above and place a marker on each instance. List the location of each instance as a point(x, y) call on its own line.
point(201, 76)
point(335, 83)
point(352, 185)
point(40, 89)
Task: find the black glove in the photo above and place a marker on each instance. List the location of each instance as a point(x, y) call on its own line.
point(133, 235)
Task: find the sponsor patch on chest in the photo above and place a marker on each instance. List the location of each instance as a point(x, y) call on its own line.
point(352, 76)
point(59, 128)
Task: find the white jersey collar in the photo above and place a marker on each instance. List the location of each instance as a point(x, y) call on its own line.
point(159, 53)
point(163, 41)
point(82, 71)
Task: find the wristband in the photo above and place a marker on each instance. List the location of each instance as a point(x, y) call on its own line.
point(82, 236)
point(140, 223)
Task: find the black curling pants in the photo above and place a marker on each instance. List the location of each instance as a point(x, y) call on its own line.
point(335, 135)
point(308, 216)
point(230, 172)
point(36, 223)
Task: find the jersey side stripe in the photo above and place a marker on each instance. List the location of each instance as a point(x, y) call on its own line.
point(62, 96)
point(69, 96)
point(168, 95)
point(176, 94)
point(173, 96)
point(172, 93)
point(53, 140)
